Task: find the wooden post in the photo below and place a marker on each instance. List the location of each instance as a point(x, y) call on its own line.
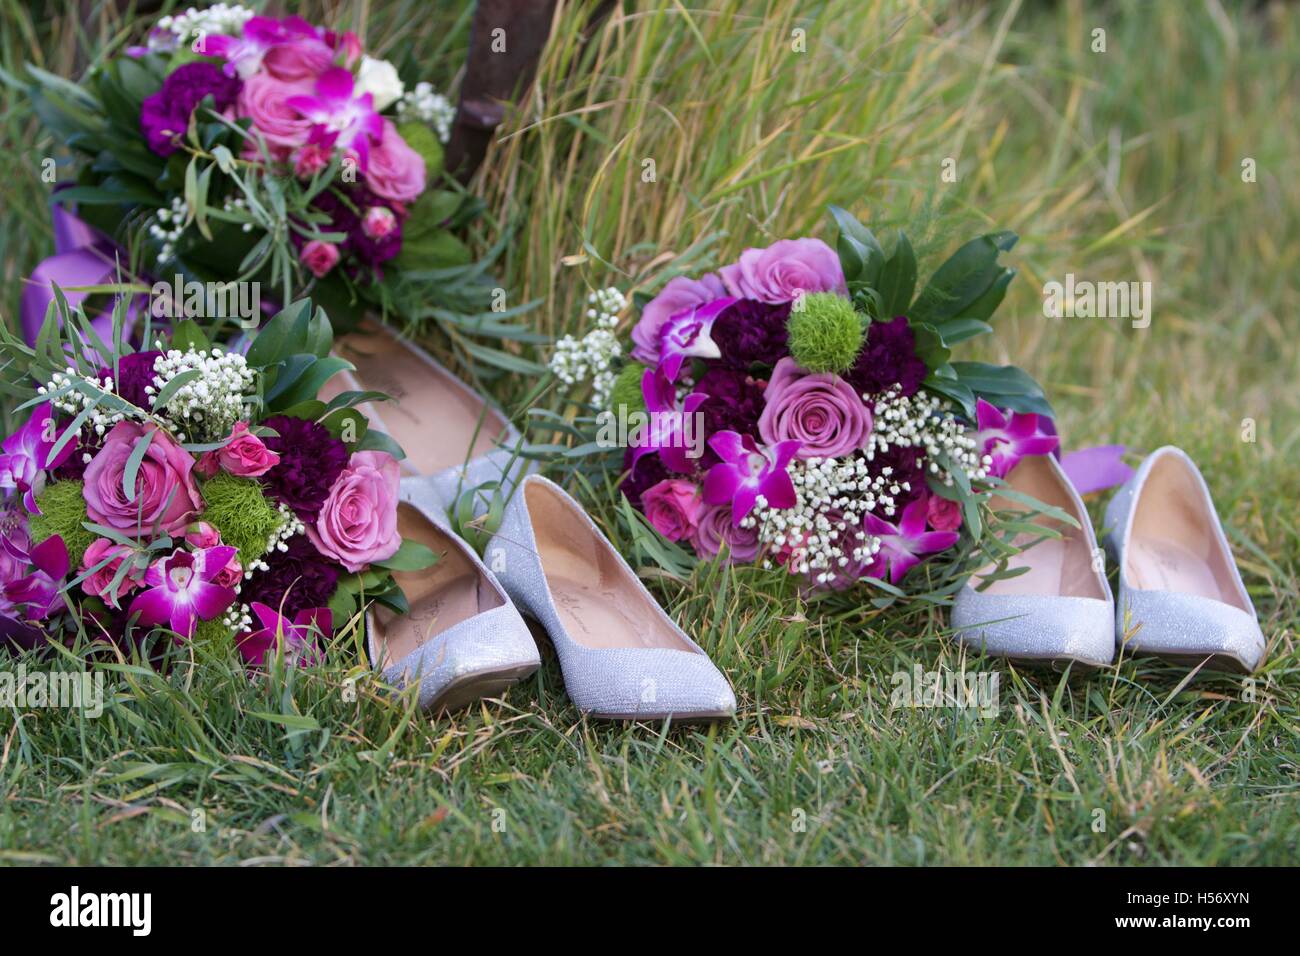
point(506, 41)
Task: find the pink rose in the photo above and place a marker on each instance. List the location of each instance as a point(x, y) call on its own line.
point(311, 158)
point(357, 524)
point(942, 514)
point(680, 294)
point(716, 529)
point(319, 256)
point(673, 507)
point(785, 270)
point(395, 171)
point(263, 100)
point(378, 222)
point(166, 492)
point(822, 412)
point(100, 583)
point(303, 59)
point(244, 456)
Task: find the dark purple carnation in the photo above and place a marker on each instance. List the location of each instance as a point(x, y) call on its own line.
point(166, 114)
point(907, 464)
point(888, 358)
point(295, 580)
point(649, 471)
point(134, 374)
point(735, 403)
point(346, 214)
point(752, 333)
point(311, 460)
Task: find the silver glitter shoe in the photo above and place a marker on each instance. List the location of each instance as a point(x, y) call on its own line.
point(1179, 587)
point(1059, 610)
point(461, 639)
point(451, 434)
point(623, 658)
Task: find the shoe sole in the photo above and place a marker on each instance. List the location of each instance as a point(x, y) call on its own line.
point(1212, 661)
point(465, 690)
point(699, 717)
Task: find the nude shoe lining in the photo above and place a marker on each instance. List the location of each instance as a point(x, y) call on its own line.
point(1173, 544)
point(598, 604)
point(438, 423)
point(1056, 566)
point(451, 592)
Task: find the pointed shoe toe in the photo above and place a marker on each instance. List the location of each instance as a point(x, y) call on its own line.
point(1180, 592)
point(622, 656)
point(1043, 628)
point(461, 638)
point(1058, 609)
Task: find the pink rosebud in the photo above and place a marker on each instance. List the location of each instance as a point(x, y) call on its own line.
point(673, 507)
point(203, 535)
point(245, 455)
point(231, 574)
point(311, 159)
point(100, 583)
point(942, 514)
point(378, 222)
point(320, 257)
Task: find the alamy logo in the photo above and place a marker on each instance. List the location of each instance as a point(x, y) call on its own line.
point(207, 300)
point(74, 909)
point(72, 690)
point(1100, 300)
point(963, 690)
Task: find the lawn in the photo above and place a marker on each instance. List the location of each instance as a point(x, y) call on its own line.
point(1122, 164)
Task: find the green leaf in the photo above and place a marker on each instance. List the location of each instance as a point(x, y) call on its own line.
point(187, 334)
point(962, 279)
point(959, 330)
point(930, 347)
point(410, 556)
point(953, 390)
point(133, 463)
point(433, 250)
point(375, 440)
point(860, 253)
point(897, 279)
point(313, 375)
point(336, 421)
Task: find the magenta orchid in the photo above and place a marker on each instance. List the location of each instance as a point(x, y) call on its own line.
point(668, 430)
point(747, 471)
point(38, 591)
point(244, 54)
point(903, 545)
point(352, 119)
point(27, 456)
point(688, 334)
point(1006, 437)
point(182, 589)
point(298, 637)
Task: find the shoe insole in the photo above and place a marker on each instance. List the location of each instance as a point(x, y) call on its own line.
point(1173, 544)
point(438, 424)
point(599, 603)
point(1056, 566)
point(440, 597)
point(1169, 566)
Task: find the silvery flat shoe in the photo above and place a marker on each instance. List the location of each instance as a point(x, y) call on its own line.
point(623, 658)
point(1060, 609)
point(462, 639)
point(451, 434)
point(1178, 583)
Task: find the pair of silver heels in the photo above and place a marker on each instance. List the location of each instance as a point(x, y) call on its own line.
point(1180, 593)
point(463, 637)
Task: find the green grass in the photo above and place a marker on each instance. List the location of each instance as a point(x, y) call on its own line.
point(1116, 166)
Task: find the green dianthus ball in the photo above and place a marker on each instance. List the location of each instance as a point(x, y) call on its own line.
point(63, 509)
point(238, 510)
point(627, 390)
point(425, 142)
point(826, 333)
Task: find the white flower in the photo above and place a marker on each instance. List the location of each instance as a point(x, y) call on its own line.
point(425, 105)
point(379, 78)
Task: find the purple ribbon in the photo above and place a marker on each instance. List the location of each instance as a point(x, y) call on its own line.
point(82, 257)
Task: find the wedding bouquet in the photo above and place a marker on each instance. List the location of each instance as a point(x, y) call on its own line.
point(800, 408)
point(237, 147)
point(194, 489)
